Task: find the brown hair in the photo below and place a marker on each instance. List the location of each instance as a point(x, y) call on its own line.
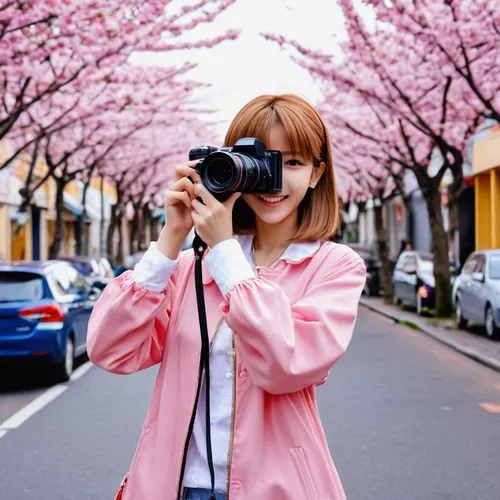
point(307, 134)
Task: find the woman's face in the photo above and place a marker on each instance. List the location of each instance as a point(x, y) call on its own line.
point(298, 174)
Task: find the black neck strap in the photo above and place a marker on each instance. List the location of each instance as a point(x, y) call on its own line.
point(199, 247)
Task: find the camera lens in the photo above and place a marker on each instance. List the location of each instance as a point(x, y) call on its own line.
point(221, 173)
point(254, 171)
point(225, 172)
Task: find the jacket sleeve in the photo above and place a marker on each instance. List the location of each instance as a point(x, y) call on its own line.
point(287, 347)
point(129, 323)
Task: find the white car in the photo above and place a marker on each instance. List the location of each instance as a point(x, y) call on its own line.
point(476, 292)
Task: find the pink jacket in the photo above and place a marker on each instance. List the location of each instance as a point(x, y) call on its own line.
point(291, 323)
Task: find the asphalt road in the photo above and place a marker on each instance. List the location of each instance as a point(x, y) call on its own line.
point(403, 416)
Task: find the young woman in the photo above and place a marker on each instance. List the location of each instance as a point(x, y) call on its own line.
point(281, 304)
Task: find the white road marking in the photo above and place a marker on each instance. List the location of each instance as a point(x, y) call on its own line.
point(35, 406)
point(81, 371)
point(16, 420)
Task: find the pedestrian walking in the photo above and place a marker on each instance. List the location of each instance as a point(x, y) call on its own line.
point(281, 302)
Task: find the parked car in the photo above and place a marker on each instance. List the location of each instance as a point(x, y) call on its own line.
point(44, 312)
point(476, 292)
point(372, 284)
point(413, 281)
point(97, 272)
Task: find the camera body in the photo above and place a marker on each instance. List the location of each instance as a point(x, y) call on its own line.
point(247, 167)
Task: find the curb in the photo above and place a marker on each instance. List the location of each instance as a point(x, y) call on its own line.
point(467, 351)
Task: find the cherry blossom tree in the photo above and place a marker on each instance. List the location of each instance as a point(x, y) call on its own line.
point(422, 109)
point(143, 167)
point(70, 94)
point(465, 41)
point(47, 45)
point(366, 172)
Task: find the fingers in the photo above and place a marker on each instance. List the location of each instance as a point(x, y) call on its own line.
point(174, 197)
point(183, 184)
point(198, 220)
point(200, 208)
point(187, 170)
point(207, 197)
point(229, 203)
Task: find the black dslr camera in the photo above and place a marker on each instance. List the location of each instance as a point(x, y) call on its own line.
point(247, 167)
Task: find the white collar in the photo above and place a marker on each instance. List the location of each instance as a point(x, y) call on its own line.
point(295, 252)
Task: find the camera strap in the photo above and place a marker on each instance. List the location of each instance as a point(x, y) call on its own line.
point(199, 247)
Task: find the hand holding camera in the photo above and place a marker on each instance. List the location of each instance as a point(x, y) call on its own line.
point(213, 220)
point(178, 210)
point(217, 177)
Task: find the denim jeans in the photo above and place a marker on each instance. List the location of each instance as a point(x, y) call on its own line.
point(203, 494)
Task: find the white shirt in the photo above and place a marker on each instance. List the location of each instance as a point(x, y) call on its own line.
point(229, 262)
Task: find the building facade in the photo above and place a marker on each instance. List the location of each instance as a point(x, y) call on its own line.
point(486, 169)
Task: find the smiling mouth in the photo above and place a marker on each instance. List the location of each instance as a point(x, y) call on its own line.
point(272, 200)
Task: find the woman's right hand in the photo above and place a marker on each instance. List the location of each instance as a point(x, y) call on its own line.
point(178, 208)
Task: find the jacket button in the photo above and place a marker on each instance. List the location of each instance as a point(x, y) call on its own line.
point(243, 373)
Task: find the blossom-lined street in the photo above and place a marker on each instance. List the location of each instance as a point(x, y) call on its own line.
point(402, 414)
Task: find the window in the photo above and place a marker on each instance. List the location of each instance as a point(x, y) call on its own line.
point(18, 286)
point(60, 279)
point(480, 264)
point(67, 280)
point(494, 267)
point(470, 265)
point(77, 283)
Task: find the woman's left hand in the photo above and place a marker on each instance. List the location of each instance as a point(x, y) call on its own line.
point(212, 219)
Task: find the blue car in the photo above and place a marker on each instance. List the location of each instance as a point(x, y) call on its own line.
point(44, 312)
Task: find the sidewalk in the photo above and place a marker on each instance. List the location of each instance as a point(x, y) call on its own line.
point(471, 343)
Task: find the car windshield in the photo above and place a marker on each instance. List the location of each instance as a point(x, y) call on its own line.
point(17, 286)
point(83, 267)
point(495, 267)
point(105, 267)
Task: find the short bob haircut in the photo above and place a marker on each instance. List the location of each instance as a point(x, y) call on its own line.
point(307, 134)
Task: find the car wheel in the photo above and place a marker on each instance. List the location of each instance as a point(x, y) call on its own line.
point(492, 330)
point(461, 321)
point(64, 369)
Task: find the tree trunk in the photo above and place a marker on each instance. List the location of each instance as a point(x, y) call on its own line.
point(120, 257)
point(55, 247)
point(81, 222)
point(102, 238)
point(25, 192)
point(383, 253)
point(134, 231)
point(440, 249)
point(153, 231)
point(111, 234)
point(453, 197)
point(144, 223)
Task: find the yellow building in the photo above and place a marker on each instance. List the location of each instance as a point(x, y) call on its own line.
point(27, 235)
point(486, 168)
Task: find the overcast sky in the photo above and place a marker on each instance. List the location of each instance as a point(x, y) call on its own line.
point(249, 66)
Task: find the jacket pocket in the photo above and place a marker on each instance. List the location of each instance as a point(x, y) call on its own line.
point(302, 465)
